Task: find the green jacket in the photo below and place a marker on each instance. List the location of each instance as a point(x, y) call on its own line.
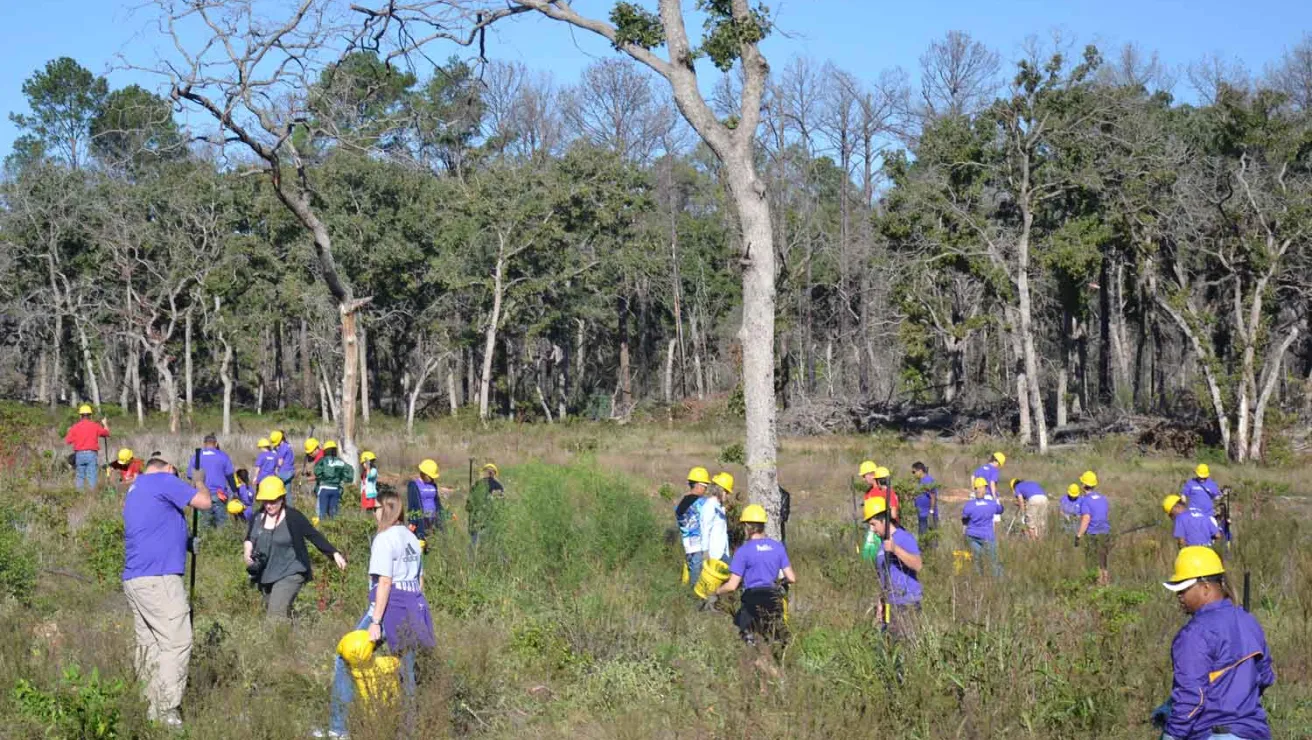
point(333, 471)
point(482, 504)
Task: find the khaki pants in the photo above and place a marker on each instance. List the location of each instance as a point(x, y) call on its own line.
point(1036, 515)
point(163, 624)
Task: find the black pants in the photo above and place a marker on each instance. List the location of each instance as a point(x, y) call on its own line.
point(761, 613)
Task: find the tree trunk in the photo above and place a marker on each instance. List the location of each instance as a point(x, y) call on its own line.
point(307, 374)
point(168, 390)
point(136, 387)
point(669, 372)
point(490, 340)
point(126, 386)
point(93, 385)
point(186, 362)
point(350, 379)
point(364, 375)
point(625, 379)
point(1106, 388)
point(1027, 331)
point(225, 376)
point(1013, 337)
point(1273, 373)
point(57, 365)
point(413, 401)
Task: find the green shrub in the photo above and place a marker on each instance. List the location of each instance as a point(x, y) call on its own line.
point(18, 561)
point(102, 548)
point(734, 454)
point(79, 706)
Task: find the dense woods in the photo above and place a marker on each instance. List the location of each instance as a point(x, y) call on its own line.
point(1067, 233)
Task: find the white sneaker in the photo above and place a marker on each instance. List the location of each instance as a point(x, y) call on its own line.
point(330, 734)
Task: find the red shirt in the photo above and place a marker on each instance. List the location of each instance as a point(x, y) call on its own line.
point(85, 435)
point(887, 493)
point(128, 473)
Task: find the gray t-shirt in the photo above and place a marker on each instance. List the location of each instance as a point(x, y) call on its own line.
point(276, 544)
point(396, 553)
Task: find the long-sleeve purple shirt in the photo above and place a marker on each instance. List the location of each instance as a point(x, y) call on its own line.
point(978, 515)
point(1222, 666)
point(1201, 494)
point(217, 469)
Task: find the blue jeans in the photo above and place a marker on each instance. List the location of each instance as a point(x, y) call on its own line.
point(287, 481)
point(218, 513)
point(87, 464)
point(330, 498)
point(694, 567)
point(344, 687)
point(980, 547)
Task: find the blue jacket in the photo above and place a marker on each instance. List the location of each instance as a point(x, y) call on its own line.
point(978, 517)
point(1201, 494)
point(1221, 666)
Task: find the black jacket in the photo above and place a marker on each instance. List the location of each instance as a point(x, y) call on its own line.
point(300, 529)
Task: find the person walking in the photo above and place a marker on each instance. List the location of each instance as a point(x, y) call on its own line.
point(482, 508)
point(758, 566)
point(1192, 527)
point(155, 556)
point(688, 517)
point(1095, 522)
point(313, 454)
point(368, 480)
point(1033, 503)
point(1201, 492)
point(1220, 660)
point(284, 460)
point(397, 611)
point(84, 436)
point(714, 523)
point(1070, 509)
point(127, 465)
point(980, 518)
point(331, 475)
point(898, 564)
point(877, 476)
point(266, 462)
point(926, 498)
point(991, 471)
point(424, 500)
point(214, 465)
point(275, 552)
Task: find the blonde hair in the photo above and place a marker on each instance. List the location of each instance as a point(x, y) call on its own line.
point(392, 507)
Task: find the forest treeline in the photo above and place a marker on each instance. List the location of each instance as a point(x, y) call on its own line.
point(1061, 232)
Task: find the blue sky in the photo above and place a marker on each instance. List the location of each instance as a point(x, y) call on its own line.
point(862, 36)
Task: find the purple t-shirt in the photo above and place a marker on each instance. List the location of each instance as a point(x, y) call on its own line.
point(989, 472)
point(1201, 494)
point(266, 464)
point(758, 562)
point(217, 468)
point(1070, 506)
point(1027, 488)
point(1196, 528)
point(978, 515)
point(284, 459)
point(154, 527)
point(905, 586)
point(1097, 507)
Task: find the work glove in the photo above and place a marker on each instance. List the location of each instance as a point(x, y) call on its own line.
point(1161, 714)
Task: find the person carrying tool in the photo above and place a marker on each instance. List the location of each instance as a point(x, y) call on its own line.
point(1070, 509)
point(688, 517)
point(1192, 527)
point(214, 465)
point(926, 498)
point(979, 516)
point(898, 565)
point(1220, 659)
point(757, 566)
point(84, 436)
point(368, 480)
point(155, 557)
point(276, 556)
point(714, 523)
point(1201, 492)
point(1033, 503)
point(331, 474)
point(424, 501)
point(482, 506)
point(127, 465)
point(266, 462)
point(1095, 521)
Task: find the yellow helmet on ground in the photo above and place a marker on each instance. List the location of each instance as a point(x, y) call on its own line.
point(275, 437)
point(1193, 563)
point(497, 471)
point(355, 647)
point(873, 507)
point(1169, 502)
point(867, 467)
point(882, 472)
point(125, 456)
point(1073, 490)
point(367, 456)
point(271, 489)
point(696, 475)
point(1202, 471)
point(723, 480)
point(753, 514)
point(429, 468)
point(264, 443)
point(84, 410)
point(1000, 459)
point(979, 483)
point(330, 445)
point(1089, 478)
point(311, 445)
point(235, 506)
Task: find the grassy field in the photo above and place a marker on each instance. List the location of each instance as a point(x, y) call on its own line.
point(574, 623)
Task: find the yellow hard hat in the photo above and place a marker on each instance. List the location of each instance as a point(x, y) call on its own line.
point(429, 468)
point(271, 489)
point(1000, 458)
point(495, 470)
point(275, 437)
point(1202, 471)
point(84, 410)
point(235, 506)
point(723, 480)
point(867, 467)
point(264, 443)
point(753, 514)
point(1073, 490)
point(1169, 502)
point(355, 647)
point(979, 483)
point(367, 456)
point(311, 445)
point(882, 472)
point(874, 506)
point(1193, 563)
point(330, 445)
point(1089, 478)
point(699, 475)
point(314, 520)
point(1014, 481)
point(125, 456)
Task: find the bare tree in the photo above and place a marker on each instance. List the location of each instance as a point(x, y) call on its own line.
point(958, 77)
point(616, 107)
point(523, 115)
point(1292, 75)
